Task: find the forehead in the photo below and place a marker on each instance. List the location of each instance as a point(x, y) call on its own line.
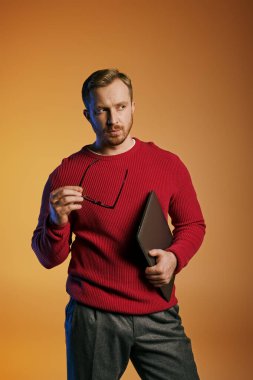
point(114, 93)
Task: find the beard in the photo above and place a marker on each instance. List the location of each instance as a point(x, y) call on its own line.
point(117, 134)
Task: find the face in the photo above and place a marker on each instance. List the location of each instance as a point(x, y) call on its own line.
point(111, 113)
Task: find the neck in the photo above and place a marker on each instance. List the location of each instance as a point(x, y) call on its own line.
point(111, 150)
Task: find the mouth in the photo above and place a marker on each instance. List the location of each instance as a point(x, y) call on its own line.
point(114, 132)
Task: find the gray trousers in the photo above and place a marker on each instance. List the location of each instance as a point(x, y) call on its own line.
point(100, 344)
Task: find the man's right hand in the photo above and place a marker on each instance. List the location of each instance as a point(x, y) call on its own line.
point(64, 200)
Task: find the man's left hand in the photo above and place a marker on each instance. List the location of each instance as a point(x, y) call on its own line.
point(161, 273)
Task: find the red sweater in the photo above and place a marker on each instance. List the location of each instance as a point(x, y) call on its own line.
point(106, 269)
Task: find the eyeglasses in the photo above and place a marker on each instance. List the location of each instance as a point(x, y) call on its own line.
point(95, 201)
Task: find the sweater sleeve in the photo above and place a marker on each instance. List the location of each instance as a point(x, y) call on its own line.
point(187, 219)
point(51, 243)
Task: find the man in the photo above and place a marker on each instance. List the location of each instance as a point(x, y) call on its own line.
point(115, 310)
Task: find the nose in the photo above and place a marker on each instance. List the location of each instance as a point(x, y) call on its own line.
point(112, 117)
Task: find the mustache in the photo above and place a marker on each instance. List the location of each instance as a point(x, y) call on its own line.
point(113, 128)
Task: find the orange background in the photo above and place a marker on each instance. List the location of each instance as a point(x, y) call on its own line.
point(191, 67)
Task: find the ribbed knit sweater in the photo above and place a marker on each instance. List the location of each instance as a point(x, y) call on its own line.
point(106, 270)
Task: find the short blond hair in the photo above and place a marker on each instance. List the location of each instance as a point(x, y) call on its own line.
point(102, 78)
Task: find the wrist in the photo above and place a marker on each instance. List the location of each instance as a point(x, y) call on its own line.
point(52, 222)
point(173, 258)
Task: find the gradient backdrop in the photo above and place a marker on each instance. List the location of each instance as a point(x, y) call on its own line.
point(191, 67)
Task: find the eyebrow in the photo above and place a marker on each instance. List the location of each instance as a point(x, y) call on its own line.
point(115, 105)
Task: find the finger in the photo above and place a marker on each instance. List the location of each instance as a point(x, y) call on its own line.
point(158, 276)
point(66, 210)
point(153, 276)
point(155, 252)
point(68, 200)
point(159, 282)
point(71, 190)
point(64, 193)
point(158, 279)
point(152, 270)
point(75, 188)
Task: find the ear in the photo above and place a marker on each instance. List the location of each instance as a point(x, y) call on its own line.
point(133, 107)
point(86, 114)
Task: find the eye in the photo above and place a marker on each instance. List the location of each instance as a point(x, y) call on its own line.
point(98, 111)
point(122, 106)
